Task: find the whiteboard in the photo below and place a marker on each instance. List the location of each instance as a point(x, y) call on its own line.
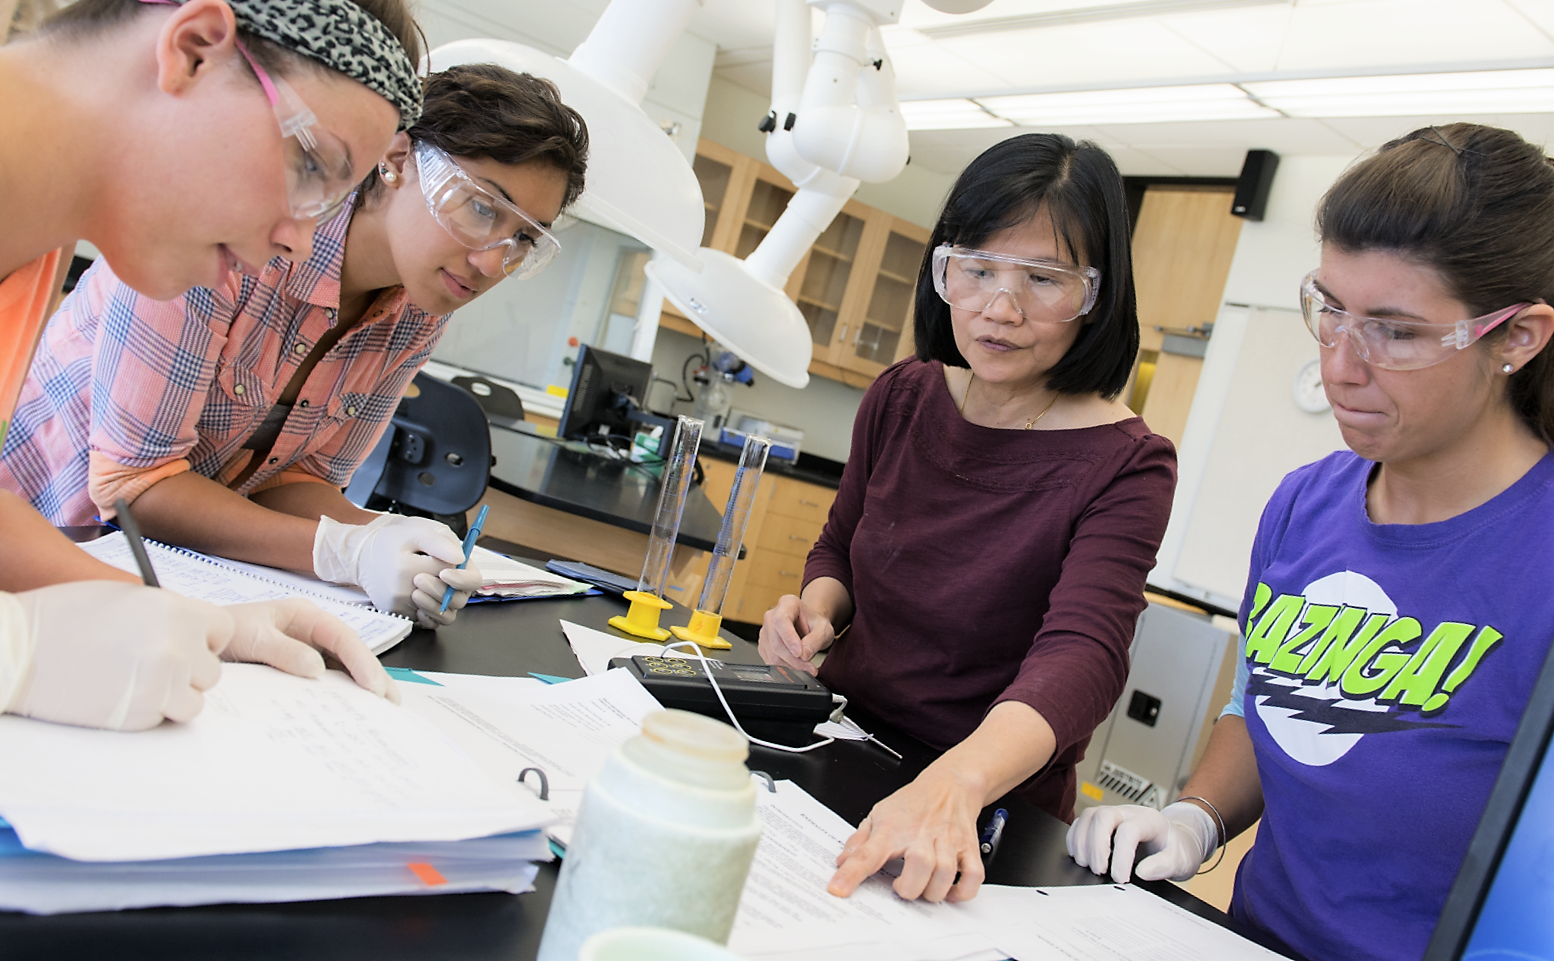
point(1244, 434)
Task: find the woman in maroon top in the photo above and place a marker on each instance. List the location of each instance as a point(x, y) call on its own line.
point(986, 552)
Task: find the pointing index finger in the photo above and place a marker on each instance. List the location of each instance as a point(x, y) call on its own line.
point(858, 867)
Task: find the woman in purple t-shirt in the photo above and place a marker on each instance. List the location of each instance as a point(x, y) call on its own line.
point(1398, 604)
point(987, 548)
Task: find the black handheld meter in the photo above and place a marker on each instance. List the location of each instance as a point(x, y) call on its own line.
point(772, 702)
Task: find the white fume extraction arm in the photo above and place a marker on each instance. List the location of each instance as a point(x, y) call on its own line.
point(638, 181)
point(835, 121)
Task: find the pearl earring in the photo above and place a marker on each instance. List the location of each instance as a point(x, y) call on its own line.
point(1507, 368)
point(387, 174)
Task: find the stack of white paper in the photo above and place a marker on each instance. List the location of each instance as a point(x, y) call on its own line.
point(501, 576)
point(274, 763)
point(47, 884)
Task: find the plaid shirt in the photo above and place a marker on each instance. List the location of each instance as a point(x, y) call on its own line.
point(126, 391)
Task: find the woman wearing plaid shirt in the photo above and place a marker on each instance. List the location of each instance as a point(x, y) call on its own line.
point(232, 417)
point(177, 139)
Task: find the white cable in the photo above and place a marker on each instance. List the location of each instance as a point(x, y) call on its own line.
point(706, 666)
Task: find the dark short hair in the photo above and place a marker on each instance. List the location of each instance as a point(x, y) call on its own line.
point(1080, 188)
point(1474, 203)
point(485, 111)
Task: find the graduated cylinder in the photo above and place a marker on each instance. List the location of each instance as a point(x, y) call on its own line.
point(703, 628)
point(647, 601)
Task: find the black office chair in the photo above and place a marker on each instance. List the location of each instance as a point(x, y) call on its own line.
point(501, 404)
point(433, 461)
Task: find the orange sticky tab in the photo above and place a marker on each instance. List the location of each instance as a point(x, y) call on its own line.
point(1091, 791)
point(429, 875)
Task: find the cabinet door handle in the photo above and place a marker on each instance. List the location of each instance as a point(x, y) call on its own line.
point(795, 537)
point(808, 503)
point(787, 573)
point(858, 336)
point(843, 336)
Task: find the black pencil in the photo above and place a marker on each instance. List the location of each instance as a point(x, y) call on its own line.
point(137, 546)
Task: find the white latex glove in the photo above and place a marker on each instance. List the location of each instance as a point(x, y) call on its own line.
point(403, 563)
point(289, 634)
point(108, 654)
point(1177, 839)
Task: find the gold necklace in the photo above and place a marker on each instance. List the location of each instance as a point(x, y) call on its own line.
point(961, 409)
point(1032, 422)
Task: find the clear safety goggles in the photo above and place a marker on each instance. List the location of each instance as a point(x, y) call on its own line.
point(479, 219)
point(318, 168)
point(1390, 343)
point(1042, 290)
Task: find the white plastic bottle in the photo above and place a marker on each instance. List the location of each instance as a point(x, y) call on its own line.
point(664, 837)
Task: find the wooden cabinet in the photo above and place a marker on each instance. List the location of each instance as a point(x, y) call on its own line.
point(785, 521)
point(854, 286)
point(882, 333)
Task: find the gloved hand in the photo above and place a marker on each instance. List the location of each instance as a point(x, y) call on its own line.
point(403, 563)
point(1178, 840)
point(109, 654)
point(289, 634)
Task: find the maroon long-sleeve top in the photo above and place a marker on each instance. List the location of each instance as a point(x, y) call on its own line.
point(990, 565)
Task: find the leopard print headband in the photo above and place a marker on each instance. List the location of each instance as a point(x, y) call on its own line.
point(344, 37)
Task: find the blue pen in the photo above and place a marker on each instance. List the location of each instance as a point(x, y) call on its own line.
point(469, 548)
point(994, 831)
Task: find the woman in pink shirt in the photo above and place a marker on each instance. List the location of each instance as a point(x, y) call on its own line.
point(171, 137)
point(232, 417)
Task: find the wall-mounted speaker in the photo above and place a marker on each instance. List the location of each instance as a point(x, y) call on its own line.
point(1253, 185)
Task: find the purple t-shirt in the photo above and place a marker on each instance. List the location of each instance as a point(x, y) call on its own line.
point(1390, 664)
point(990, 565)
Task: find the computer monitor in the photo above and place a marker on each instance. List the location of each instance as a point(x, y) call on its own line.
point(605, 389)
point(1502, 904)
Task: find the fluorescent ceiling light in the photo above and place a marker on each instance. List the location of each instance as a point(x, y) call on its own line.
point(948, 115)
point(1208, 101)
point(1091, 13)
point(1480, 91)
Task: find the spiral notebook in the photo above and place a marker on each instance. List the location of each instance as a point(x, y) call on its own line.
point(219, 581)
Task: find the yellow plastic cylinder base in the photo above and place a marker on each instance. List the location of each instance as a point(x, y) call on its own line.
point(703, 629)
point(641, 618)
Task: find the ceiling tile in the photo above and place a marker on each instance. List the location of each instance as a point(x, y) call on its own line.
point(1283, 135)
point(935, 70)
point(1245, 40)
point(1105, 54)
point(1540, 13)
point(1344, 35)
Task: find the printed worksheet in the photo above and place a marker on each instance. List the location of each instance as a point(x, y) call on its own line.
point(1102, 922)
point(273, 763)
point(786, 911)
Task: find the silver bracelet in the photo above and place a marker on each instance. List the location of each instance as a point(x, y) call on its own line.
point(1224, 835)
